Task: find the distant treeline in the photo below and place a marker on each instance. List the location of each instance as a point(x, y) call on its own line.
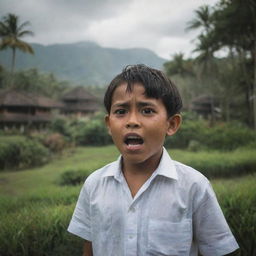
point(227, 29)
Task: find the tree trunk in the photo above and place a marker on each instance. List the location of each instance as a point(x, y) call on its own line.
point(254, 84)
point(13, 66)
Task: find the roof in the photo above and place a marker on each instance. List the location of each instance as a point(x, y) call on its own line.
point(25, 118)
point(81, 106)
point(17, 98)
point(78, 93)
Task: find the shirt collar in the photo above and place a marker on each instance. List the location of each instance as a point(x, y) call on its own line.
point(115, 169)
point(165, 168)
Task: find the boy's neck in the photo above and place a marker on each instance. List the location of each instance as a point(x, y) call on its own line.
point(136, 174)
point(145, 168)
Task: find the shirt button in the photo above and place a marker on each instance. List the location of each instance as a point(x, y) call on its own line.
point(130, 236)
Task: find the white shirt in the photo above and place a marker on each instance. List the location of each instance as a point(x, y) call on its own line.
point(174, 213)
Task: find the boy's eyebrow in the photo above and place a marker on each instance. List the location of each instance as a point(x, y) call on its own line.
point(146, 103)
point(140, 104)
point(121, 104)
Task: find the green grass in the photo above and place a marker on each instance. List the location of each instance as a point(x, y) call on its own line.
point(214, 164)
point(35, 210)
point(36, 180)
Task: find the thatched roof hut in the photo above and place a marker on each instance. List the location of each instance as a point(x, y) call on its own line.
point(206, 105)
point(79, 102)
point(19, 107)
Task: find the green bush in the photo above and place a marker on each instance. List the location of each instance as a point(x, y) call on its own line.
point(91, 131)
point(20, 152)
point(55, 142)
point(73, 178)
point(94, 132)
point(223, 136)
point(60, 125)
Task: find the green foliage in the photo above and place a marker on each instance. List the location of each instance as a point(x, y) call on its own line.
point(237, 198)
point(216, 164)
point(21, 152)
point(72, 177)
point(38, 230)
point(84, 132)
point(197, 135)
point(93, 133)
point(33, 81)
point(60, 125)
point(11, 33)
point(55, 142)
point(35, 216)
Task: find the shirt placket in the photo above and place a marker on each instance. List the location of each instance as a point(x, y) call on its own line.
point(131, 232)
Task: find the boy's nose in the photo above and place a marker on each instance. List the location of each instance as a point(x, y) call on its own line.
point(133, 121)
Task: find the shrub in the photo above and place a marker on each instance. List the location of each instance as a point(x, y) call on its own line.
point(94, 132)
point(91, 131)
point(73, 177)
point(20, 152)
point(60, 125)
point(223, 136)
point(189, 130)
point(55, 142)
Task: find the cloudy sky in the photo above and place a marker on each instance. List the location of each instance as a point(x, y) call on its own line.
point(158, 25)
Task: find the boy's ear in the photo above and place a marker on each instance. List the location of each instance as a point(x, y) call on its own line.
point(107, 124)
point(174, 123)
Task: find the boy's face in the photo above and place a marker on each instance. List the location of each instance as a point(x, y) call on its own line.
point(138, 124)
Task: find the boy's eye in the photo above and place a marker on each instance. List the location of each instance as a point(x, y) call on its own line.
point(120, 111)
point(148, 111)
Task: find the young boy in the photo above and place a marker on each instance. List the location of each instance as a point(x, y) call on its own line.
point(145, 203)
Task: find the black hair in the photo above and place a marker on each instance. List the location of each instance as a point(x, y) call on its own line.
point(157, 85)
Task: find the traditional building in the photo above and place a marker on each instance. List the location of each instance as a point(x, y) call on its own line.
point(79, 103)
point(206, 106)
point(19, 109)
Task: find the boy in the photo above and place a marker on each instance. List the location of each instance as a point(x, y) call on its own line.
point(145, 203)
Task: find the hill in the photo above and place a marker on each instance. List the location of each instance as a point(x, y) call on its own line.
point(83, 63)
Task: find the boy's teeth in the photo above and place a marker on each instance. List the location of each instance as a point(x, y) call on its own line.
point(133, 140)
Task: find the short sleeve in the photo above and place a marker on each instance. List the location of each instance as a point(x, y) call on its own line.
point(212, 233)
point(80, 223)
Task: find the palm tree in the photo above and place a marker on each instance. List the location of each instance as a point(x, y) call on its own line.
point(11, 32)
point(203, 19)
point(179, 66)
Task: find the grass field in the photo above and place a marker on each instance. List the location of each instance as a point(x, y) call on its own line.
point(35, 210)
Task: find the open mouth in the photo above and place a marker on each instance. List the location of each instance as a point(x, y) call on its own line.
point(133, 140)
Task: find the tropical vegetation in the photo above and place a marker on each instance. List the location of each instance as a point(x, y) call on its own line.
point(11, 33)
point(37, 204)
point(225, 59)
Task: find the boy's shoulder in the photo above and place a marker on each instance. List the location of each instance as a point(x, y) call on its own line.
point(189, 172)
point(109, 169)
point(193, 181)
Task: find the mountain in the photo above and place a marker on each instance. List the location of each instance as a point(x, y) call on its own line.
point(82, 63)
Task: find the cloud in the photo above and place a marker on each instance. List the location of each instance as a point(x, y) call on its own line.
point(156, 25)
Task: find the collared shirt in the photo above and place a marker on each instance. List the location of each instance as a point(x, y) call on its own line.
point(175, 212)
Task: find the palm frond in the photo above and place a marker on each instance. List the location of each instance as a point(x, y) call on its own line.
point(25, 47)
point(24, 24)
point(25, 33)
